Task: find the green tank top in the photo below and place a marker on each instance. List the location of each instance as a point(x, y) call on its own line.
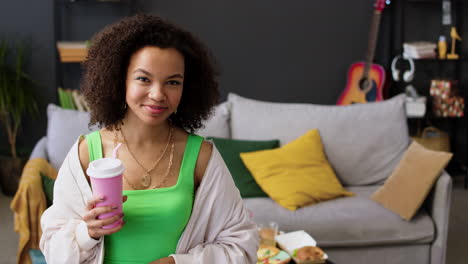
point(155, 218)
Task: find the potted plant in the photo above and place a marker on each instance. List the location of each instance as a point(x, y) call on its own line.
point(16, 100)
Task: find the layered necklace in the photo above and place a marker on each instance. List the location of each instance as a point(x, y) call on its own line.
point(146, 179)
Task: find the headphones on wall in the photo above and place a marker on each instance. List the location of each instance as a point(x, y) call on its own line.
point(408, 75)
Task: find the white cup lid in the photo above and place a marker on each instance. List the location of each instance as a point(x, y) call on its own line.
point(105, 168)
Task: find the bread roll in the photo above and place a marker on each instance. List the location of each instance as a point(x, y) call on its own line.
point(309, 253)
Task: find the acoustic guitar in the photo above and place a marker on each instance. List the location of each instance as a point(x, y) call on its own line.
point(365, 80)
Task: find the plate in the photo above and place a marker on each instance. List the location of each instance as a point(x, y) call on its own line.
point(280, 258)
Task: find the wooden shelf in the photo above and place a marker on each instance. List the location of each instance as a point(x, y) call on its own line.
point(462, 58)
point(72, 51)
point(439, 2)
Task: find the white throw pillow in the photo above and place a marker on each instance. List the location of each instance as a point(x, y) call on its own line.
point(63, 128)
point(218, 124)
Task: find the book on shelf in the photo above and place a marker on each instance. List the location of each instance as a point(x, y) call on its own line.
point(72, 99)
point(420, 45)
point(72, 51)
point(413, 55)
point(419, 50)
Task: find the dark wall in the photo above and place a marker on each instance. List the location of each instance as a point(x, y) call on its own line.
point(275, 50)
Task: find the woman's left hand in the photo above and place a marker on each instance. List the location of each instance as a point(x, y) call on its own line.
point(167, 260)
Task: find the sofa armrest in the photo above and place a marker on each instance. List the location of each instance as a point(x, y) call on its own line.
point(439, 208)
point(40, 149)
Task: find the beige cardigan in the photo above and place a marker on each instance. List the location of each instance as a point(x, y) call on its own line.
point(219, 229)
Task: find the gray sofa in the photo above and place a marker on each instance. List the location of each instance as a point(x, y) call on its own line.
point(363, 143)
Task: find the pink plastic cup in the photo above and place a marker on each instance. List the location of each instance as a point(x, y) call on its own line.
point(106, 180)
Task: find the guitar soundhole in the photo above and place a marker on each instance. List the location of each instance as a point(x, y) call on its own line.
point(369, 87)
point(365, 85)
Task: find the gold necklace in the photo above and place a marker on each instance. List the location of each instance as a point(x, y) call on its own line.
point(171, 156)
point(146, 179)
point(168, 168)
point(125, 177)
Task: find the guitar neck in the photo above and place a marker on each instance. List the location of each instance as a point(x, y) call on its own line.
point(372, 42)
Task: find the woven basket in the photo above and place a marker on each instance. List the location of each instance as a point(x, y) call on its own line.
point(434, 138)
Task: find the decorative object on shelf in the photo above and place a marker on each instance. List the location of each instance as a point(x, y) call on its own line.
point(454, 35)
point(443, 88)
point(72, 99)
point(80, 101)
point(451, 107)
point(408, 75)
point(434, 139)
point(415, 107)
point(415, 104)
point(419, 50)
point(446, 12)
point(442, 47)
point(16, 100)
point(366, 80)
point(73, 51)
point(445, 101)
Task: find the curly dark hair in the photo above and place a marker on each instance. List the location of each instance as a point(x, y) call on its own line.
point(105, 69)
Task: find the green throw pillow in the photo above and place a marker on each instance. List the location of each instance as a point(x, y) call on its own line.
point(48, 186)
point(230, 150)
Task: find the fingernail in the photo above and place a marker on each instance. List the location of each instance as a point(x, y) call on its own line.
point(114, 207)
point(101, 198)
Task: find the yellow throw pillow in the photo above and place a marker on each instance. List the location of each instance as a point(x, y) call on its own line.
point(297, 174)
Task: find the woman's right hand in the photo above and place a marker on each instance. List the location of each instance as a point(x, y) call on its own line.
point(95, 225)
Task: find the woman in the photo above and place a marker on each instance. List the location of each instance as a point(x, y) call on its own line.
point(149, 85)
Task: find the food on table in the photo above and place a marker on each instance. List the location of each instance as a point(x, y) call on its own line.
point(272, 255)
point(266, 252)
point(309, 253)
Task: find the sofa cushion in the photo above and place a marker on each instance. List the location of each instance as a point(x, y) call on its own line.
point(218, 124)
point(297, 174)
point(363, 142)
point(409, 184)
point(230, 150)
point(346, 222)
point(63, 128)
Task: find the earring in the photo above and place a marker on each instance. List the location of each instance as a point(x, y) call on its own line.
point(125, 106)
point(175, 112)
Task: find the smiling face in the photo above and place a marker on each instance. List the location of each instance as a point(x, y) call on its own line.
point(154, 84)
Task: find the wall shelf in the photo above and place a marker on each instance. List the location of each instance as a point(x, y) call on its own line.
point(462, 58)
